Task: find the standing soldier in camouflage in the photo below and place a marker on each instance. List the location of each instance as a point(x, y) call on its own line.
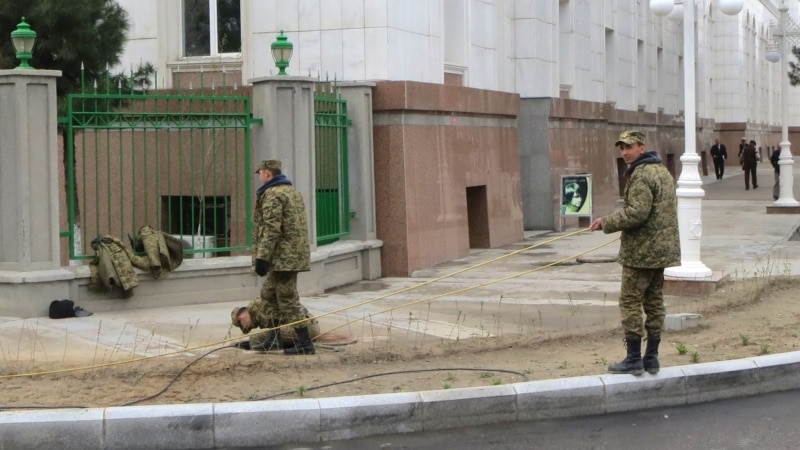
point(280, 251)
point(649, 242)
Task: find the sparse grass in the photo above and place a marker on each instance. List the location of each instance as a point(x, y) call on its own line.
point(739, 295)
point(745, 339)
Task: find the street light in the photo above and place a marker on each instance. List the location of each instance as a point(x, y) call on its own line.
point(787, 30)
point(690, 192)
point(23, 39)
point(282, 53)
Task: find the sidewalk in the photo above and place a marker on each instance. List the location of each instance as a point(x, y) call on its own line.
point(738, 238)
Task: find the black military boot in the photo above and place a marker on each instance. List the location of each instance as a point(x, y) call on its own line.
point(303, 346)
point(266, 341)
point(632, 363)
point(650, 358)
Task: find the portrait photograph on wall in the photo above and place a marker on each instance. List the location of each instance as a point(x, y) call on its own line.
point(576, 195)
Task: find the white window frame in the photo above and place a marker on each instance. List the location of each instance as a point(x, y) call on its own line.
point(213, 32)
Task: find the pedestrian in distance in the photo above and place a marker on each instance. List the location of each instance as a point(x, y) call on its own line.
point(718, 155)
point(280, 251)
point(749, 165)
point(774, 159)
point(742, 145)
point(649, 242)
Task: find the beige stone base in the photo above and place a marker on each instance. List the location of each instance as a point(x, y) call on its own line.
point(783, 209)
point(701, 286)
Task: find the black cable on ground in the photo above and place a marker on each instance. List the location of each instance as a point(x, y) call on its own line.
point(175, 378)
point(337, 383)
point(399, 372)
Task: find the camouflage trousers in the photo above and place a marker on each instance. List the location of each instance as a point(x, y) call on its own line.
point(280, 300)
point(642, 290)
point(287, 335)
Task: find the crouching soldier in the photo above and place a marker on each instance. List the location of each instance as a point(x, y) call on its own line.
point(249, 317)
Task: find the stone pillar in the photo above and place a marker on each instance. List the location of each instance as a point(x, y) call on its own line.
point(361, 163)
point(30, 271)
point(286, 104)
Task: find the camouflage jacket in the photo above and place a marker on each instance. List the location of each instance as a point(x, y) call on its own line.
point(280, 229)
point(162, 253)
point(648, 219)
point(111, 266)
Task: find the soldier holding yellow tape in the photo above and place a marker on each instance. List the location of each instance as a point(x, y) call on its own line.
point(649, 242)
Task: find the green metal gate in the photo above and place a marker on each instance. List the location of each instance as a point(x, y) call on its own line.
point(333, 204)
point(177, 161)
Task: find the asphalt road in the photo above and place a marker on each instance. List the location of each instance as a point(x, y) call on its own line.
point(762, 422)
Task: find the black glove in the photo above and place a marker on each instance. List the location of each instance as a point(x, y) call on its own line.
point(261, 267)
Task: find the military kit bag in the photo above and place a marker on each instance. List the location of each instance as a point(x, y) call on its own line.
point(61, 309)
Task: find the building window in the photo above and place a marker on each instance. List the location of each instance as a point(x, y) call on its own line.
point(211, 27)
point(197, 216)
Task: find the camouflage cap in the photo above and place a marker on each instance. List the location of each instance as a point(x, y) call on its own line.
point(235, 318)
point(630, 138)
point(269, 164)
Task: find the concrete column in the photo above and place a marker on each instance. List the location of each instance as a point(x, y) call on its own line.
point(28, 170)
point(361, 162)
point(286, 104)
point(30, 268)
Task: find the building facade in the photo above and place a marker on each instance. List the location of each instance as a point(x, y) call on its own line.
point(583, 69)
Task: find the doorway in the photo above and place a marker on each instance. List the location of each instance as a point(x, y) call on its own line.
point(478, 217)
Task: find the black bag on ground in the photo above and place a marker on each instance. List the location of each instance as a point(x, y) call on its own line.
point(61, 309)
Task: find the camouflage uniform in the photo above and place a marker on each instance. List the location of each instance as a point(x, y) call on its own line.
point(649, 242)
point(288, 337)
point(280, 237)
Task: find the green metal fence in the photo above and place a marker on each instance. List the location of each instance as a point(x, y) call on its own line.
point(178, 161)
point(333, 205)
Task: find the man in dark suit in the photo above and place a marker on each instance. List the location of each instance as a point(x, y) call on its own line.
point(775, 160)
point(749, 164)
point(719, 154)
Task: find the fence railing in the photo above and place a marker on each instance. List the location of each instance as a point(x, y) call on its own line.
point(177, 161)
point(332, 192)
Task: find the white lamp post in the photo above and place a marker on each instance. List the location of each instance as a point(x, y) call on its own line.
point(787, 30)
point(690, 191)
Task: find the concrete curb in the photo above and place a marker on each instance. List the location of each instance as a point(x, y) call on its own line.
point(243, 424)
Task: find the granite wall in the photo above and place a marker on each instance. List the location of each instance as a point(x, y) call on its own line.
point(561, 137)
point(447, 172)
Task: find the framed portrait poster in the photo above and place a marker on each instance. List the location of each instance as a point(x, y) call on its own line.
point(576, 195)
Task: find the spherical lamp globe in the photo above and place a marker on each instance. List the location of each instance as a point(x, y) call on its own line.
point(731, 7)
point(661, 7)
